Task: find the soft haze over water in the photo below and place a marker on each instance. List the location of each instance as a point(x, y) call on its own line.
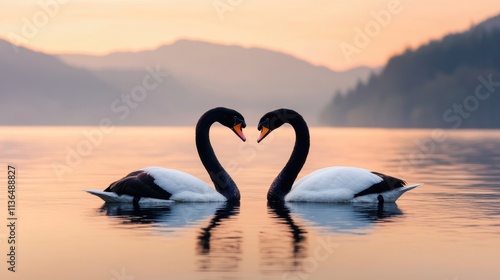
point(448, 228)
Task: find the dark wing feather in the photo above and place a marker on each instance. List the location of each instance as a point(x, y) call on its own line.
point(138, 184)
point(388, 183)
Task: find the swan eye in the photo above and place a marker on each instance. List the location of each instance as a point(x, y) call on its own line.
point(239, 121)
point(264, 124)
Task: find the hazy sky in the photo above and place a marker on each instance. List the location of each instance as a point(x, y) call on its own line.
point(316, 31)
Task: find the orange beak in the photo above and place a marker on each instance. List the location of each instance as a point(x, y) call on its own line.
point(263, 133)
point(237, 129)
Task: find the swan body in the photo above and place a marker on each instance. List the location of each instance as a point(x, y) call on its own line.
point(181, 186)
point(341, 184)
point(162, 185)
point(331, 184)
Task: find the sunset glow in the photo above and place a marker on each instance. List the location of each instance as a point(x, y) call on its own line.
point(313, 31)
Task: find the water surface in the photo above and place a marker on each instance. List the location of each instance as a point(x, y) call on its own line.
point(447, 229)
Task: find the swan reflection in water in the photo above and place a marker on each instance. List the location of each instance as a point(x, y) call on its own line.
point(162, 216)
point(286, 250)
point(348, 218)
point(219, 250)
point(282, 245)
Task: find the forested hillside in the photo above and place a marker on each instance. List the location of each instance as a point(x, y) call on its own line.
point(451, 83)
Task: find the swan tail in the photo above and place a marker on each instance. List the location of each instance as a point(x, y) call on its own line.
point(388, 196)
point(407, 188)
point(111, 196)
point(392, 196)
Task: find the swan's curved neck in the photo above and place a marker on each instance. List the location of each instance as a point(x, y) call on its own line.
point(282, 184)
point(224, 184)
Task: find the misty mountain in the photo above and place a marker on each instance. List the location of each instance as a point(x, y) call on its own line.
point(172, 85)
point(39, 89)
point(251, 80)
point(451, 83)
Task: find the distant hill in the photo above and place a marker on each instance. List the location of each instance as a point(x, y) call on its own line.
point(488, 25)
point(41, 89)
point(432, 86)
point(253, 80)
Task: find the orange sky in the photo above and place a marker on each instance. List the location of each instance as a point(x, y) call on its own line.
point(312, 30)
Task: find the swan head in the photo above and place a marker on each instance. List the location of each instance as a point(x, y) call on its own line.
point(274, 120)
point(238, 126)
point(234, 121)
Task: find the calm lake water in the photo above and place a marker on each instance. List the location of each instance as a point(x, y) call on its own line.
point(448, 228)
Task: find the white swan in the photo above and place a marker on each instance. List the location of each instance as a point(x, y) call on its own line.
point(160, 185)
point(331, 184)
point(341, 183)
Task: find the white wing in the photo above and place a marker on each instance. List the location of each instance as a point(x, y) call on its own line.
point(332, 184)
point(183, 186)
